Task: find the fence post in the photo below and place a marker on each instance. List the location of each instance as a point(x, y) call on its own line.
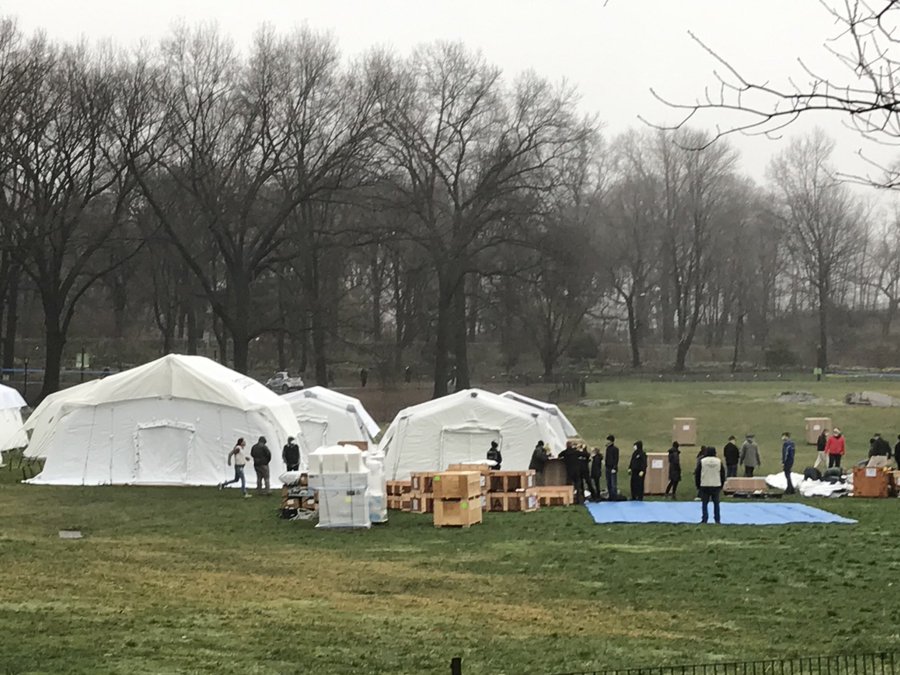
point(456, 666)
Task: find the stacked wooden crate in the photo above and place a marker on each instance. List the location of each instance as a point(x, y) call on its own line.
point(421, 494)
point(512, 491)
point(457, 498)
point(398, 491)
point(555, 495)
point(299, 496)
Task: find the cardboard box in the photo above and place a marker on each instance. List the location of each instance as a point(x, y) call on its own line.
point(461, 513)
point(871, 482)
point(656, 478)
point(684, 430)
point(733, 485)
point(457, 485)
point(815, 426)
point(362, 445)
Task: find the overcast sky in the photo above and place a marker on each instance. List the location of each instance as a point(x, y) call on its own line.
point(614, 52)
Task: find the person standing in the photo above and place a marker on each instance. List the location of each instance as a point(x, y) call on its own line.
point(239, 459)
point(261, 457)
point(538, 462)
point(596, 473)
point(732, 455)
point(787, 459)
point(493, 454)
point(584, 469)
point(291, 455)
point(750, 458)
point(612, 467)
point(674, 469)
point(573, 470)
point(897, 452)
point(709, 477)
point(363, 376)
point(821, 442)
point(835, 448)
point(637, 467)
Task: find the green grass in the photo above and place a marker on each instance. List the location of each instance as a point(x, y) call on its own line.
point(195, 580)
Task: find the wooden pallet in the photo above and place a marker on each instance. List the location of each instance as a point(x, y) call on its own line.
point(398, 488)
point(511, 481)
point(555, 495)
point(457, 512)
point(524, 501)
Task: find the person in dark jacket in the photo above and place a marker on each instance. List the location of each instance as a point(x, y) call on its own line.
point(538, 462)
point(637, 467)
point(570, 457)
point(261, 457)
point(674, 470)
point(290, 453)
point(732, 455)
point(584, 469)
point(787, 459)
point(709, 476)
point(494, 455)
point(821, 442)
point(612, 467)
point(596, 473)
point(897, 452)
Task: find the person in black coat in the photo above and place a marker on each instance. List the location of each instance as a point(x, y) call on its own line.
point(291, 455)
point(584, 468)
point(596, 473)
point(572, 460)
point(612, 466)
point(637, 467)
point(732, 454)
point(261, 457)
point(897, 452)
point(538, 462)
point(674, 469)
point(494, 455)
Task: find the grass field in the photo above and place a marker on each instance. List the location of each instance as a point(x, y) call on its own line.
point(195, 580)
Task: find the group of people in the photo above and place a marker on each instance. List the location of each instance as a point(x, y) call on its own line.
point(261, 457)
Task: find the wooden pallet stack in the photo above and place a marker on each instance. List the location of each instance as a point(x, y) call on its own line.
point(421, 493)
point(457, 498)
point(512, 491)
point(299, 496)
point(398, 492)
point(555, 495)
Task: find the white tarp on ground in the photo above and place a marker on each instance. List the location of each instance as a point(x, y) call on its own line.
point(567, 428)
point(12, 435)
point(809, 488)
point(169, 422)
point(459, 428)
point(328, 417)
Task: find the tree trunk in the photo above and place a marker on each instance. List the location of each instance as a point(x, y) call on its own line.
point(822, 355)
point(460, 338)
point(633, 333)
point(193, 330)
point(54, 343)
point(738, 336)
point(12, 319)
point(443, 333)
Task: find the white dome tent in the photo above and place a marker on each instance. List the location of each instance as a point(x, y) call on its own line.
point(565, 426)
point(328, 417)
point(12, 435)
point(169, 422)
point(460, 427)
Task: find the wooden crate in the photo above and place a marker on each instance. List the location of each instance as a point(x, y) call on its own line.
point(814, 426)
point(555, 495)
point(733, 485)
point(511, 481)
point(422, 481)
point(871, 482)
point(396, 488)
point(394, 502)
point(684, 430)
point(457, 485)
point(362, 445)
point(524, 500)
point(421, 503)
point(406, 503)
point(656, 477)
point(457, 513)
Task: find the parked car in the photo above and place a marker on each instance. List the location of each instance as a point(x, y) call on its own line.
point(281, 381)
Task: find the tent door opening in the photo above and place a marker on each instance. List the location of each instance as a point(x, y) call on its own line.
point(162, 452)
point(315, 433)
point(461, 446)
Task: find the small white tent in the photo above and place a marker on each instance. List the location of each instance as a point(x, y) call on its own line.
point(169, 422)
point(460, 428)
point(565, 426)
point(328, 417)
point(12, 435)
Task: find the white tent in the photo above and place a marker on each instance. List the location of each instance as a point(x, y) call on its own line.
point(169, 422)
point(328, 417)
point(11, 433)
point(460, 428)
point(565, 426)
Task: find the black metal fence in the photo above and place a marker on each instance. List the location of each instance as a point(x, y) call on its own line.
point(884, 663)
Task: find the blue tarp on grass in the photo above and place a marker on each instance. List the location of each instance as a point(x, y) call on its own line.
point(733, 513)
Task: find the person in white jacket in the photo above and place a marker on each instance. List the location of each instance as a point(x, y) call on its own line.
point(710, 477)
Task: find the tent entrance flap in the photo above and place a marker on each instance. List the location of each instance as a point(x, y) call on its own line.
point(315, 432)
point(461, 445)
point(163, 452)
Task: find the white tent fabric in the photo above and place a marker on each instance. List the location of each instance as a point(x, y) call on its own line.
point(328, 417)
point(567, 428)
point(12, 435)
point(169, 422)
point(459, 428)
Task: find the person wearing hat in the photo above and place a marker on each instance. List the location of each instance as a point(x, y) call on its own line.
point(750, 458)
point(835, 448)
point(674, 470)
point(261, 457)
point(637, 467)
point(291, 455)
point(494, 455)
point(732, 455)
point(787, 459)
point(612, 466)
point(709, 477)
point(538, 462)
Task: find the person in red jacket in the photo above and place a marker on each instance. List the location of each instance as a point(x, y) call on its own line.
point(834, 448)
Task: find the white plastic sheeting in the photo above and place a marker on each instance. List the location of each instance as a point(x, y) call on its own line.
point(566, 427)
point(12, 435)
point(328, 417)
point(809, 488)
point(341, 480)
point(169, 422)
point(459, 428)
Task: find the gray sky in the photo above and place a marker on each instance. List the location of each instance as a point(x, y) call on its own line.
point(613, 53)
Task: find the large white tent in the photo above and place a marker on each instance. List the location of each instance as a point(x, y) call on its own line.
point(11, 433)
point(169, 422)
point(557, 415)
point(460, 427)
point(328, 417)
